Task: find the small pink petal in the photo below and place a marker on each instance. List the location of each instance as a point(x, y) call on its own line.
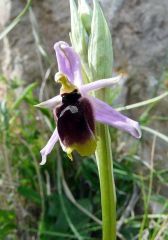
point(68, 62)
point(51, 103)
point(103, 83)
point(106, 114)
point(49, 146)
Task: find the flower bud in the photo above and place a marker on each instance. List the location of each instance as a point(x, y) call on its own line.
point(78, 33)
point(100, 53)
point(85, 13)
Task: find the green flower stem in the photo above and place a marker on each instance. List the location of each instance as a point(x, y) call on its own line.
point(107, 186)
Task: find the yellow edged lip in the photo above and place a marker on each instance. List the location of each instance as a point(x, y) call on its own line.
point(84, 149)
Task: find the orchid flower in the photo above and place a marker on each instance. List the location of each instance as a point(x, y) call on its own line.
point(76, 112)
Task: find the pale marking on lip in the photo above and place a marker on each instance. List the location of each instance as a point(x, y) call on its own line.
point(72, 109)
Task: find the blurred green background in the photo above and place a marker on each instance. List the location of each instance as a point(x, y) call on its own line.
point(61, 200)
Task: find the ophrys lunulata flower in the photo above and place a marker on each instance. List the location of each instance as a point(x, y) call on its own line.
point(75, 111)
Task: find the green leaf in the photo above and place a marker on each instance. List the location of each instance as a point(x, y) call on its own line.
point(15, 21)
point(29, 194)
point(26, 91)
point(100, 54)
point(7, 223)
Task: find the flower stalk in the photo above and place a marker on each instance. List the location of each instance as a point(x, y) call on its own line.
point(107, 185)
point(100, 58)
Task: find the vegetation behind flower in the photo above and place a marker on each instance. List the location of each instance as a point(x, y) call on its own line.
point(31, 201)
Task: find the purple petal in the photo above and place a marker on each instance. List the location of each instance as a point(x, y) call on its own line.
point(106, 114)
point(51, 103)
point(100, 84)
point(49, 146)
point(68, 62)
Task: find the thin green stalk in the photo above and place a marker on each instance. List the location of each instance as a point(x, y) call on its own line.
point(147, 198)
point(72, 199)
point(107, 186)
point(15, 21)
point(156, 133)
point(40, 183)
point(59, 186)
point(144, 103)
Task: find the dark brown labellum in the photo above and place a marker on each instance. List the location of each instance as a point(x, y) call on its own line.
point(75, 119)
